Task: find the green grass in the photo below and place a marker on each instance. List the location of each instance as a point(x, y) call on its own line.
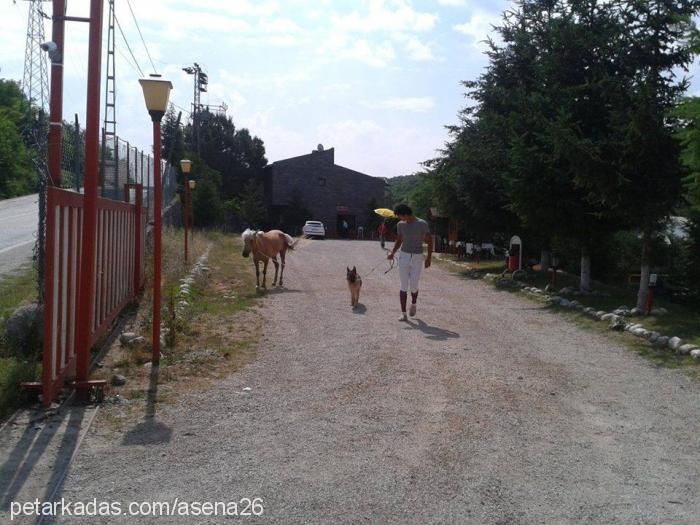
point(16, 289)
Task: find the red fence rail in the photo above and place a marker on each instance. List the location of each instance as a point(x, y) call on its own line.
point(119, 271)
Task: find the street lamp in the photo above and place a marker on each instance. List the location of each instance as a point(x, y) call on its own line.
point(156, 92)
point(192, 185)
point(186, 166)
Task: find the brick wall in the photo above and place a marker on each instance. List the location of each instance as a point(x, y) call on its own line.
point(324, 186)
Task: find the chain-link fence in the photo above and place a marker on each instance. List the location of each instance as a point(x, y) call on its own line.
point(120, 164)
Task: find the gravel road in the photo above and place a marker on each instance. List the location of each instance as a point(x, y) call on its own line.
point(484, 409)
point(18, 221)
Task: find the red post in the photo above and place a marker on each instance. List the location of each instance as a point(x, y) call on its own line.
point(187, 210)
point(156, 241)
point(138, 197)
point(56, 101)
point(86, 290)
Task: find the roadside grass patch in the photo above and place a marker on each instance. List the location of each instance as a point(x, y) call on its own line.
point(217, 332)
point(16, 289)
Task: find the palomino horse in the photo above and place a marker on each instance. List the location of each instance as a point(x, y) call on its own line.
point(266, 246)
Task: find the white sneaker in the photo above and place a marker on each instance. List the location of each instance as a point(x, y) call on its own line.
point(403, 318)
point(412, 310)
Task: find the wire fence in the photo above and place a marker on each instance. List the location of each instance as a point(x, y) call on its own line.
point(120, 164)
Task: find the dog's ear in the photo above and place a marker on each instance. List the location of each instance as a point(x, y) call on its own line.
point(354, 269)
point(347, 268)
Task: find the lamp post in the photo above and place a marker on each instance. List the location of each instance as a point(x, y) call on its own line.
point(190, 188)
point(186, 166)
point(156, 92)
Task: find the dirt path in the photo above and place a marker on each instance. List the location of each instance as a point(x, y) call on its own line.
point(486, 409)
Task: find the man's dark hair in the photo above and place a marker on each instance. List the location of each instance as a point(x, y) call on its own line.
point(403, 209)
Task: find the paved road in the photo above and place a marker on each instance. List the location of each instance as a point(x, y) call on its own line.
point(484, 409)
point(18, 221)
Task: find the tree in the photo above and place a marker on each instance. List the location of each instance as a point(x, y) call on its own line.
point(17, 174)
point(250, 206)
point(296, 212)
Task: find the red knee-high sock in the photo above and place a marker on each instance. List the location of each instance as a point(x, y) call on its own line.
point(403, 296)
point(414, 297)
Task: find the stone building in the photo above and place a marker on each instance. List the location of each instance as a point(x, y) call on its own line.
point(331, 193)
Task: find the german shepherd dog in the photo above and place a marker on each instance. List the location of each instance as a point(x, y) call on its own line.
point(354, 283)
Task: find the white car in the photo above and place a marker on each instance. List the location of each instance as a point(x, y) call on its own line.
point(314, 229)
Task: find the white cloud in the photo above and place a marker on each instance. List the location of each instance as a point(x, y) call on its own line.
point(387, 16)
point(414, 104)
point(479, 27)
point(452, 3)
point(419, 51)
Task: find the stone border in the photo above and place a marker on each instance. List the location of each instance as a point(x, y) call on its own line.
point(617, 320)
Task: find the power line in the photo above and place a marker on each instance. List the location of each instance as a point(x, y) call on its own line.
point(128, 46)
point(128, 2)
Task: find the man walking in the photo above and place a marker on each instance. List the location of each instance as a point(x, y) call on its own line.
point(381, 231)
point(411, 233)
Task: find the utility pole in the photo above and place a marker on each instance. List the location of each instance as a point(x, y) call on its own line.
point(201, 80)
point(35, 81)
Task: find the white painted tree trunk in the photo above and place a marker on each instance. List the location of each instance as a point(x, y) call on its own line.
point(585, 284)
point(545, 260)
point(643, 292)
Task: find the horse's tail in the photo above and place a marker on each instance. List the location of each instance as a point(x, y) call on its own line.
point(289, 240)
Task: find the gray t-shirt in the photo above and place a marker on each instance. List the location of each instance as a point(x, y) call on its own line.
point(413, 234)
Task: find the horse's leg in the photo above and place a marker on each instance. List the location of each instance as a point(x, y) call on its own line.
point(283, 254)
point(277, 266)
point(265, 271)
point(257, 273)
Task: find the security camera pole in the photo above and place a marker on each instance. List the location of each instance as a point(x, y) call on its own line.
point(56, 101)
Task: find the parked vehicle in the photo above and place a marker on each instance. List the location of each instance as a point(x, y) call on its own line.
point(314, 229)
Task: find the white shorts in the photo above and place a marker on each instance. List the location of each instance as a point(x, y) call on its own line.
point(410, 266)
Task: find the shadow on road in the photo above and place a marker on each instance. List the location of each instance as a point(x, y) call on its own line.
point(150, 431)
point(359, 309)
point(279, 289)
point(35, 453)
point(432, 332)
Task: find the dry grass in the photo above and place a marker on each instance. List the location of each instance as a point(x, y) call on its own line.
point(217, 335)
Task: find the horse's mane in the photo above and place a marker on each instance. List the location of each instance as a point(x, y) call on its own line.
point(248, 234)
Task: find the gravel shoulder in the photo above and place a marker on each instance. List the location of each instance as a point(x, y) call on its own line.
point(484, 409)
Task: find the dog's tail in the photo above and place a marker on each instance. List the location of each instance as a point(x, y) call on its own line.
point(290, 241)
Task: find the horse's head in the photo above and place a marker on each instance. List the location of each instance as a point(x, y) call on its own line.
point(247, 237)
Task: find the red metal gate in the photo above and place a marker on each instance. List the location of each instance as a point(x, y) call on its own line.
point(119, 275)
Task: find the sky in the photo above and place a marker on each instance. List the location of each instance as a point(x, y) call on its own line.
point(378, 80)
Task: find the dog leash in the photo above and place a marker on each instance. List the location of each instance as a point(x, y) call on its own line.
point(391, 267)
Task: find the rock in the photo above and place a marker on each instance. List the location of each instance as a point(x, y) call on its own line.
point(118, 380)
point(659, 311)
point(24, 330)
point(556, 299)
point(565, 303)
point(147, 364)
point(695, 354)
point(607, 317)
point(662, 341)
point(639, 332)
point(653, 337)
point(635, 312)
point(599, 314)
point(617, 324)
point(633, 326)
point(127, 337)
point(686, 349)
point(566, 290)
point(506, 283)
point(247, 389)
point(675, 343)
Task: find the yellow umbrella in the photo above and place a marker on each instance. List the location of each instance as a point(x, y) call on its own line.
point(385, 212)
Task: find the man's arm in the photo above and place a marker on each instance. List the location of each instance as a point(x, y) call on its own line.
point(429, 242)
point(397, 245)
